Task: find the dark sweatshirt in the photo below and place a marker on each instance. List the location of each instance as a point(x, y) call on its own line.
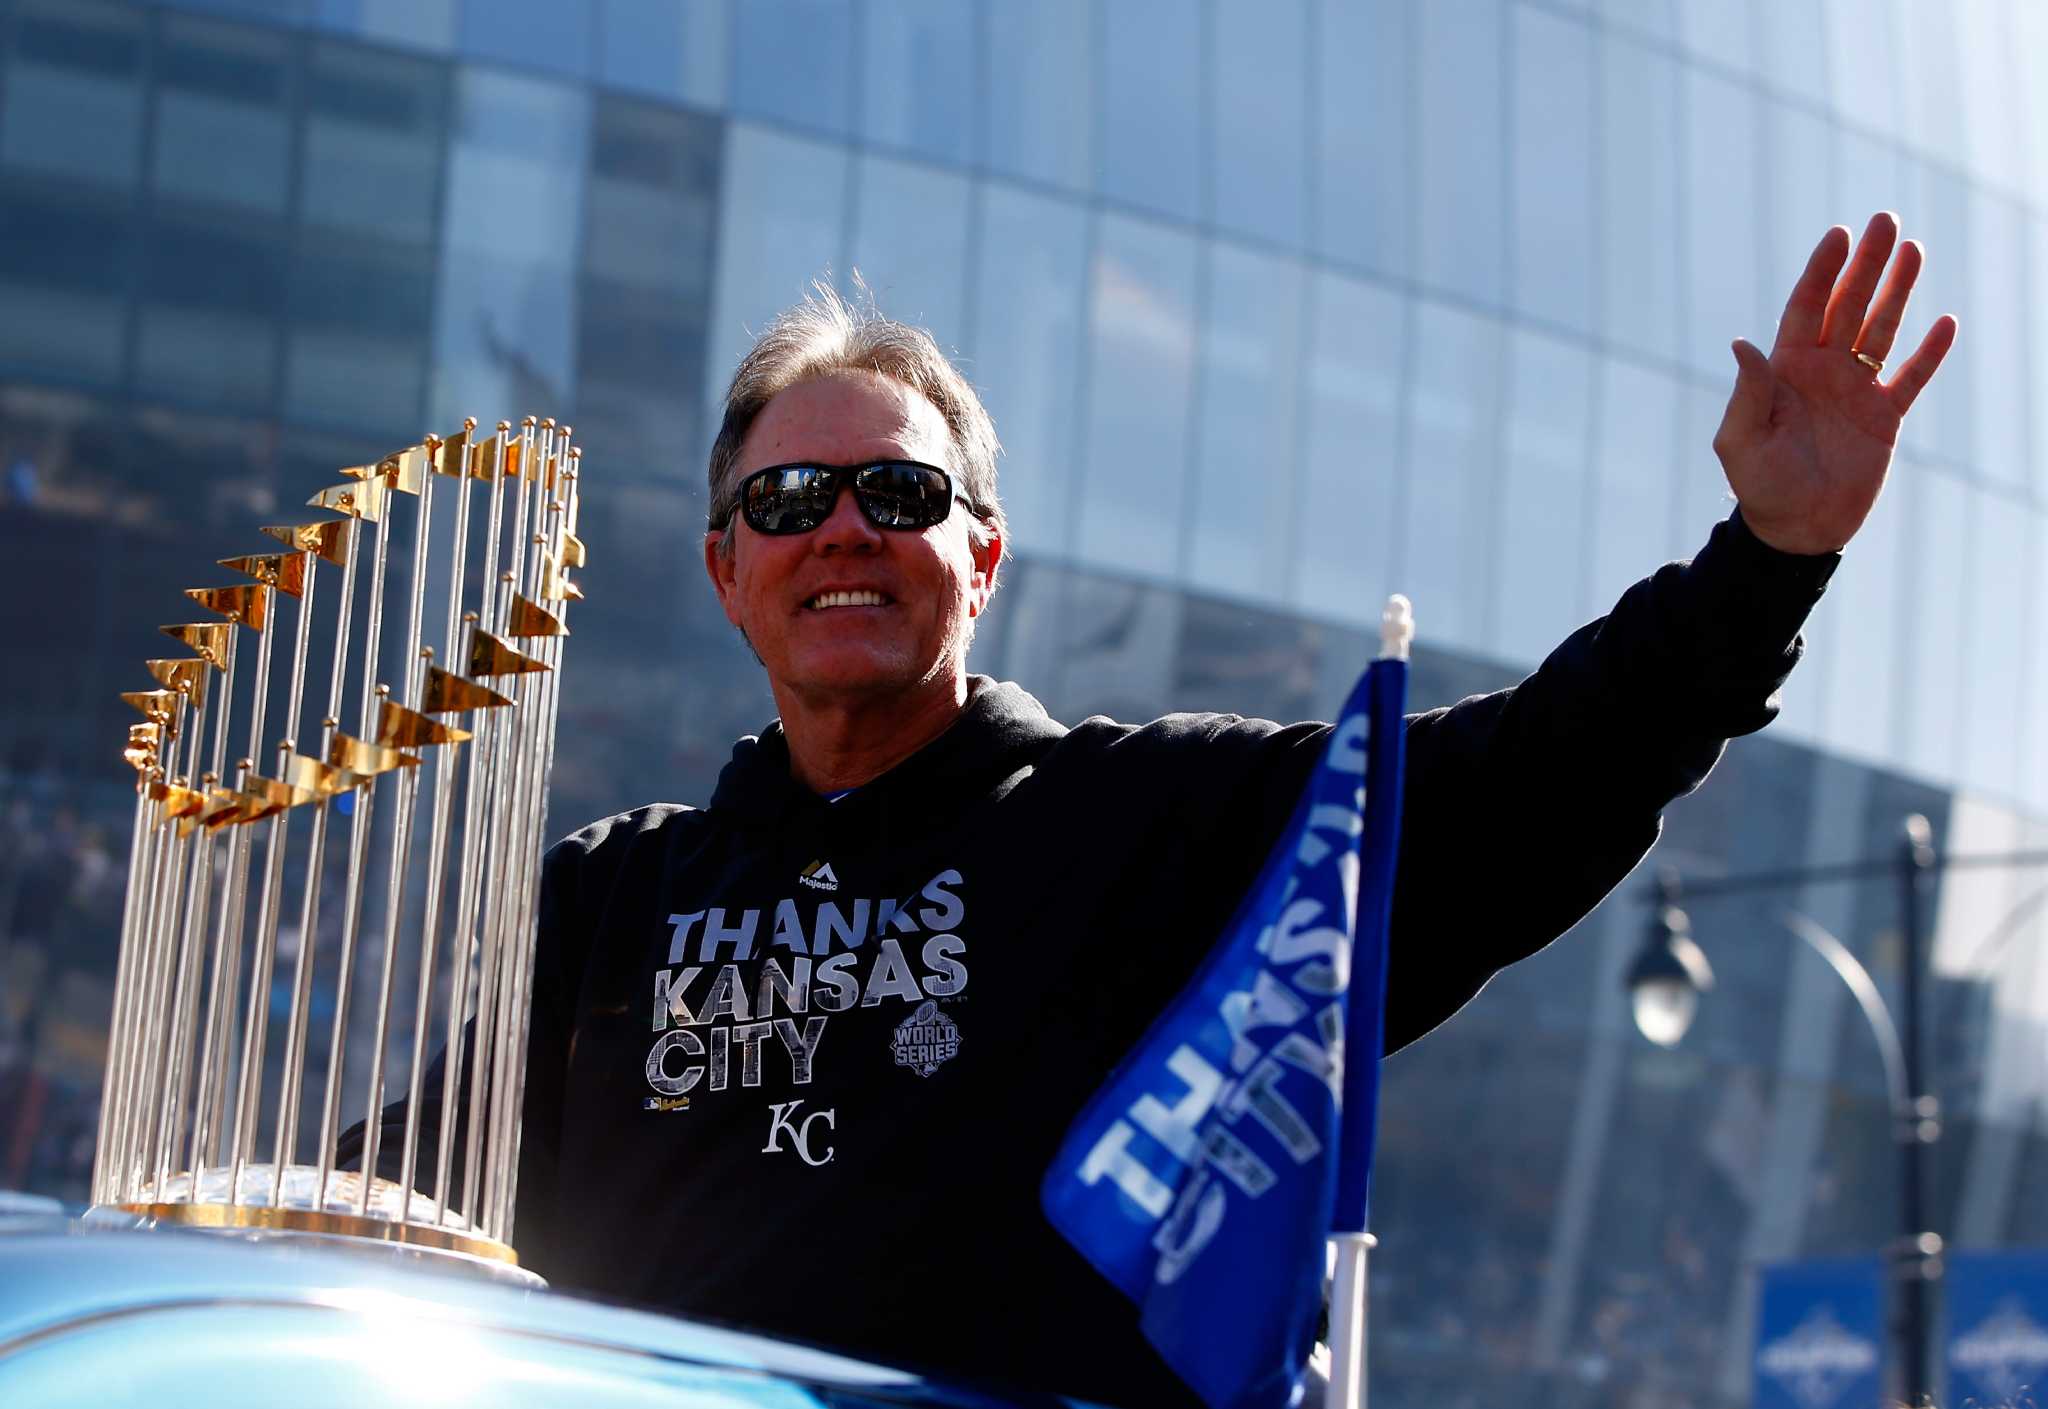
point(799, 1065)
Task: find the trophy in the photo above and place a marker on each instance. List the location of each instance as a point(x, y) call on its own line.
point(442, 861)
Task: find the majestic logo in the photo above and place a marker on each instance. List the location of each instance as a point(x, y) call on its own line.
point(782, 1119)
point(2005, 1353)
point(1817, 1360)
point(818, 876)
point(665, 1103)
point(925, 1039)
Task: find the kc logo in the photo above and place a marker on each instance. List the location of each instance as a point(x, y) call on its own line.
point(781, 1117)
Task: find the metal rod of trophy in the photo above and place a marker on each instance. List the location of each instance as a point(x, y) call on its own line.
point(224, 996)
point(514, 842)
point(294, 576)
point(352, 905)
point(550, 589)
point(446, 770)
point(190, 939)
point(140, 850)
point(401, 831)
point(297, 1022)
point(488, 853)
point(125, 1153)
point(164, 709)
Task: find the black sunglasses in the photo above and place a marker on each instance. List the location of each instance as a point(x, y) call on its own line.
point(900, 494)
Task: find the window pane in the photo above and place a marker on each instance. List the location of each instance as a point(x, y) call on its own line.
point(1142, 357)
point(2037, 350)
point(1261, 121)
point(666, 50)
point(1718, 31)
point(781, 222)
point(1722, 192)
point(1553, 126)
point(1652, 17)
point(1868, 179)
point(1459, 156)
point(2034, 716)
point(212, 292)
point(359, 335)
point(72, 102)
point(420, 24)
point(504, 324)
point(1539, 579)
point(1027, 354)
point(1151, 106)
point(375, 123)
point(1859, 626)
point(1040, 91)
point(1995, 654)
point(2026, 122)
point(1632, 485)
point(223, 89)
point(1793, 38)
point(1938, 550)
point(1988, 64)
point(1639, 241)
point(65, 268)
point(1997, 411)
point(916, 76)
point(530, 33)
point(646, 284)
point(792, 61)
point(1930, 104)
point(1364, 53)
point(1243, 494)
point(1862, 59)
point(1445, 545)
point(1346, 511)
point(1703, 499)
point(910, 243)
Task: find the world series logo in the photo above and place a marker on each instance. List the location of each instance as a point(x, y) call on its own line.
point(925, 1039)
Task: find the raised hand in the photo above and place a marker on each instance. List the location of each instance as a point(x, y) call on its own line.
point(1808, 434)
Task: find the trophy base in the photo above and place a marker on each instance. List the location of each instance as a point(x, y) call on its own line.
point(207, 1203)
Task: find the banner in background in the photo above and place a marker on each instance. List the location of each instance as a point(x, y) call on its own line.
point(1997, 1326)
point(1820, 1334)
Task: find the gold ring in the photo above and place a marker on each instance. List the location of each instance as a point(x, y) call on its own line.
point(1875, 364)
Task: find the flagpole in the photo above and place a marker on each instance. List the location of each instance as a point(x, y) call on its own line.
point(1349, 1241)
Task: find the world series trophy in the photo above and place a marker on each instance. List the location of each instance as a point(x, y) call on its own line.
point(442, 862)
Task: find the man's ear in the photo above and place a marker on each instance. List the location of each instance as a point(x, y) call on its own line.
point(988, 560)
point(719, 568)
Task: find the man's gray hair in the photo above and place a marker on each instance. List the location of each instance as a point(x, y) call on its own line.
point(828, 333)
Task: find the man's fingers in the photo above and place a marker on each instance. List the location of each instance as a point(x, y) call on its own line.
point(1808, 306)
point(1920, 367)
point(1852, 296)
point(1883, 324)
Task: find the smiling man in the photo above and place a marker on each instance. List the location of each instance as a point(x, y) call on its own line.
point(799, 1058)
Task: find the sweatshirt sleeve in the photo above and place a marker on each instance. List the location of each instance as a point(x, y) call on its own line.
point(1524, 807)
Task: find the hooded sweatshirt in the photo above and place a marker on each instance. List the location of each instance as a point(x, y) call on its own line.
point(799, 1064)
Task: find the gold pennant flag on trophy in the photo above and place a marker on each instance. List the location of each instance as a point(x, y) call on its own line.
point(365, 759)
point(158, 706)
point(248, 605)
point(284, 571)
point(490, 656)
point(187, 675)
point(361, 499)
point(402, 728)
point(310, 775)
point(532, 619)
point(207, 639)
point(326, 540)
point(447, 692)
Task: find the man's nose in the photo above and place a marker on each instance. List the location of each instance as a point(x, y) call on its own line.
point(846, 527)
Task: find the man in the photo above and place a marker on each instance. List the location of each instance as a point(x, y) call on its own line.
point(798, 1060)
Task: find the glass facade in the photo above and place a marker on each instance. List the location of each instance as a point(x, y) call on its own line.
point(1278, 307)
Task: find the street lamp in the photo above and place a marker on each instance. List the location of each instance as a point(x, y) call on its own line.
point(1669, 975)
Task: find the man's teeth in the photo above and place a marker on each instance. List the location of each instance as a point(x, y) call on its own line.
point(846, 599)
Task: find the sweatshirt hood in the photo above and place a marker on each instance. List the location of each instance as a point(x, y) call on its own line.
point(1002, 730)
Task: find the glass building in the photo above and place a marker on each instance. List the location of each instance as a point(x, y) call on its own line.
point(1279, 305)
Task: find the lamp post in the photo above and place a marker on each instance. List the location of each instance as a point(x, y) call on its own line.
point(1669, 975)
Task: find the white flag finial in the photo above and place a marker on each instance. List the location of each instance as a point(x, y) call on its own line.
point(1397, 628)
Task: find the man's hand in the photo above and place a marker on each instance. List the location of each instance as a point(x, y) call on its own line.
point(1809, 430)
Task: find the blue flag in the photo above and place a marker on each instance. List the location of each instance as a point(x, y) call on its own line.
point(1206, 1176)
